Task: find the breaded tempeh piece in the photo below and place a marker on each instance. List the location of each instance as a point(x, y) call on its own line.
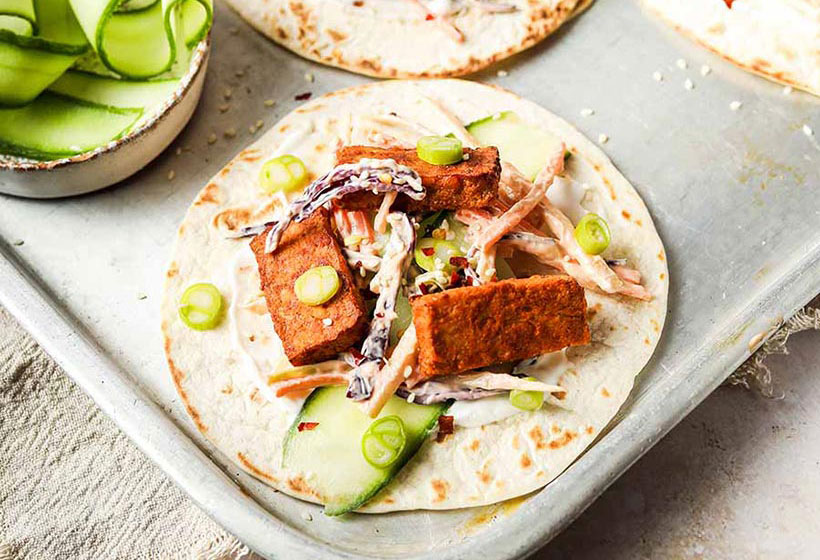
point(304, 335)
point(471, 183)
point(479, 326)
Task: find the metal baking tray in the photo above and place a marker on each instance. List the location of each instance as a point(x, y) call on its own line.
point(733, 193)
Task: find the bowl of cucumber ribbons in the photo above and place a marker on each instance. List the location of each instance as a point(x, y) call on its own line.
point(92, 90)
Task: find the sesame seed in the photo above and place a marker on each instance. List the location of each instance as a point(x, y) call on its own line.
point(587, 112)
point(260, 123)
point(171, 175)
point(657, 76)
point(681, 64)
point(408, 371)
point(705, 70)
point(411, 397)
point(178, 151)
point(269, 102)
point(807, 130)
point(230, 133)
point(239, 73)
point(327, 321)
point(603, 138)
point(212, 138)
point(309, 77)
point(787, 90)
point(689, 84)
point(224, 107)
point(227, 93)
point(251, 129)
point(233, 30)
point(735, 105)
point(502, 73)
point(307, 516)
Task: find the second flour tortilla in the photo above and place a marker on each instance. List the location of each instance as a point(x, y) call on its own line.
point(394, 39)
point(474, 466)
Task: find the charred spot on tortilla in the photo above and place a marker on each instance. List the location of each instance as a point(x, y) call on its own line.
point(470, 183)
point(306, 336)
point(514, 319)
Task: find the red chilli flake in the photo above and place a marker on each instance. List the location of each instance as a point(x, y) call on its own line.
point(424, 289)
point(429, 17)
point(428, 251)
point(303, 96)
point(358, 357)
point(460, 262)
point(729, 3)
point(307, 426)
point(455, 279)
point(445, 427)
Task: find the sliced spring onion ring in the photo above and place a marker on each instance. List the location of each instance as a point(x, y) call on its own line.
point(384, 441)
point(592, 234)
point(527, 400)
point(441, 250)
point(284, 173)
point(317, 285)
point(200, 306)
point(439, 150)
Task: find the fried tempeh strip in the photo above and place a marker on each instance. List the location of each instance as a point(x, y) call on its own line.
point(478, 326)
point(471, 183)
point(307, 335)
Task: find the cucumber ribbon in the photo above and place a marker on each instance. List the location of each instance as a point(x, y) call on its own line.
point(90, 54)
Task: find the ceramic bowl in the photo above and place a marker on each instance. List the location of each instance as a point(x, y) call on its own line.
point(117, 160)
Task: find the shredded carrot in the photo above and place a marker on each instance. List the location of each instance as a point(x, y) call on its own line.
point(388, 379)
point(353, 223)
point(282, 388)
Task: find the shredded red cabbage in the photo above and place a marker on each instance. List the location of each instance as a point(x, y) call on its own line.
point(397, 256)
point(366, 175)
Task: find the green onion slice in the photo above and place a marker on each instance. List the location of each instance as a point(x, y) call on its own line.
point(527, 400)
point(200, 306)
point(592, 234)
point(284, 173)
point(317, 285)
point(439, 150)
point(428, 251)
point(384, 441)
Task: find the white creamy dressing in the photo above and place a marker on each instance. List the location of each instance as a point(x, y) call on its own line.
point(252, 332)
point(566, 194)
point(442, 7)
point(547, 368)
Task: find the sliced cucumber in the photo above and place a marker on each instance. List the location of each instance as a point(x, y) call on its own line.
point(54, 126)
point(112, 91)
point(28, 64)
point(330, 454)
point(526, 147)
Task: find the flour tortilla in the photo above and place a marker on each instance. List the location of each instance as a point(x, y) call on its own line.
point(474, 466)
point(777, 39)
point(392, 38)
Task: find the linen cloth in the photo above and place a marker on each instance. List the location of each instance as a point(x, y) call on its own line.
point(72, 486)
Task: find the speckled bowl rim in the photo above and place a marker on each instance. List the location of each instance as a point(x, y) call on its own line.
point(198, 58)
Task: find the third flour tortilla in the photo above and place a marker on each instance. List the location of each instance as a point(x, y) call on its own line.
point(476, 465)
point(778, 39)
point(395, 38)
